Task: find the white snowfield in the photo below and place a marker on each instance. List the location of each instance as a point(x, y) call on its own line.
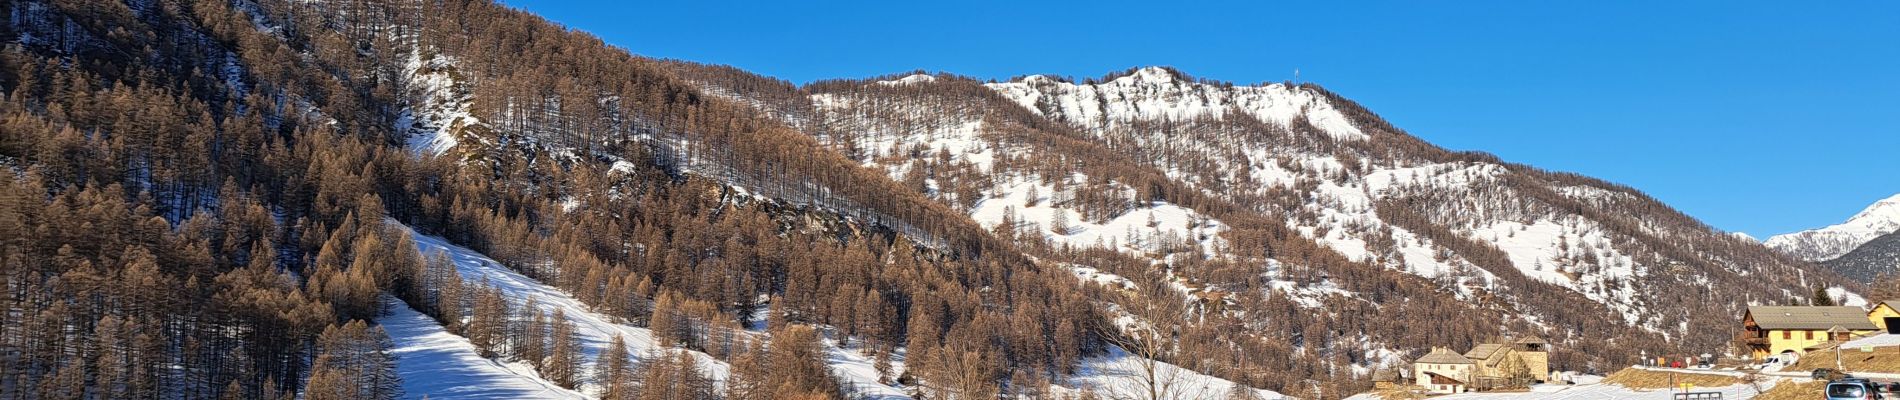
point(1880, 340)
point(596, 331)
point(441, 365)
point(1120, 375)
point(1881, 218)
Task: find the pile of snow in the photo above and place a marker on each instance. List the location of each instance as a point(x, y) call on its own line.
point(1881, 218)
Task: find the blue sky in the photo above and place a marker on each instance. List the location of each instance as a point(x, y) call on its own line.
point(1763, 117)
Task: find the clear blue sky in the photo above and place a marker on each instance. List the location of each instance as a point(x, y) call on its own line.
point(1753, 116)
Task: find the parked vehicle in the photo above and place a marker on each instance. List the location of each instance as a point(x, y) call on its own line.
point(1853, 389)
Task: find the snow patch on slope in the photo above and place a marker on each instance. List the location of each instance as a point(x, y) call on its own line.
point(440, 365)
point(595, 331)
point(441, 108)
point(1173, 226)
point(1121, 375)
point(1571, 252)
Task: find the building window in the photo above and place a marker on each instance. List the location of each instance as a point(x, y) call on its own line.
point(1787, 335)
point(1810, 335)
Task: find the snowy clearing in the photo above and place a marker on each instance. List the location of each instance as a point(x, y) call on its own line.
point(595, 331)
point(440, 365)
point(1121, 375)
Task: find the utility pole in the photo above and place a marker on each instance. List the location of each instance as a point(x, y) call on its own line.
point(1838, 335)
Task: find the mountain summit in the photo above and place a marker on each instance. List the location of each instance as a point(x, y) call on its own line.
point(1881, 218)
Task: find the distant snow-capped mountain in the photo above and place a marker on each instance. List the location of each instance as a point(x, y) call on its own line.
point(1883, 217)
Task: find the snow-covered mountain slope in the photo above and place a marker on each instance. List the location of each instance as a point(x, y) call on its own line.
point(1361, 187)
point(1154, 93)
point(1552, 251)
point(1883, 217)
point(594, 330)
point(437, 364)
point(1875, 259)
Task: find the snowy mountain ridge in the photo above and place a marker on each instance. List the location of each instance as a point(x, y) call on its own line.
point(1158, 93)
point(1342, 205)
point(1547, 247)
point(1880, 218)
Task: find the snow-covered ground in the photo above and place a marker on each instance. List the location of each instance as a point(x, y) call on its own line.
point(1880, 340)
point(596, 331)
point(858, 373)
point(1149, 230)
point(440, 365)
point(1120, 375)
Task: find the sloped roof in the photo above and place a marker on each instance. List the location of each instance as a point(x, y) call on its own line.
point(1443, 380)
point(1484, 351)
point(1384, 375)
point(1811, 318)
point(1893, 304)
point(1443, 356)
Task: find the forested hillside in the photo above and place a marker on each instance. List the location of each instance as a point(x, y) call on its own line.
point(285, 198)
point(1877, 259)
point(1286, 204)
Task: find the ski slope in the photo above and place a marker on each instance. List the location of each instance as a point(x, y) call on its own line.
point(440, 365)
